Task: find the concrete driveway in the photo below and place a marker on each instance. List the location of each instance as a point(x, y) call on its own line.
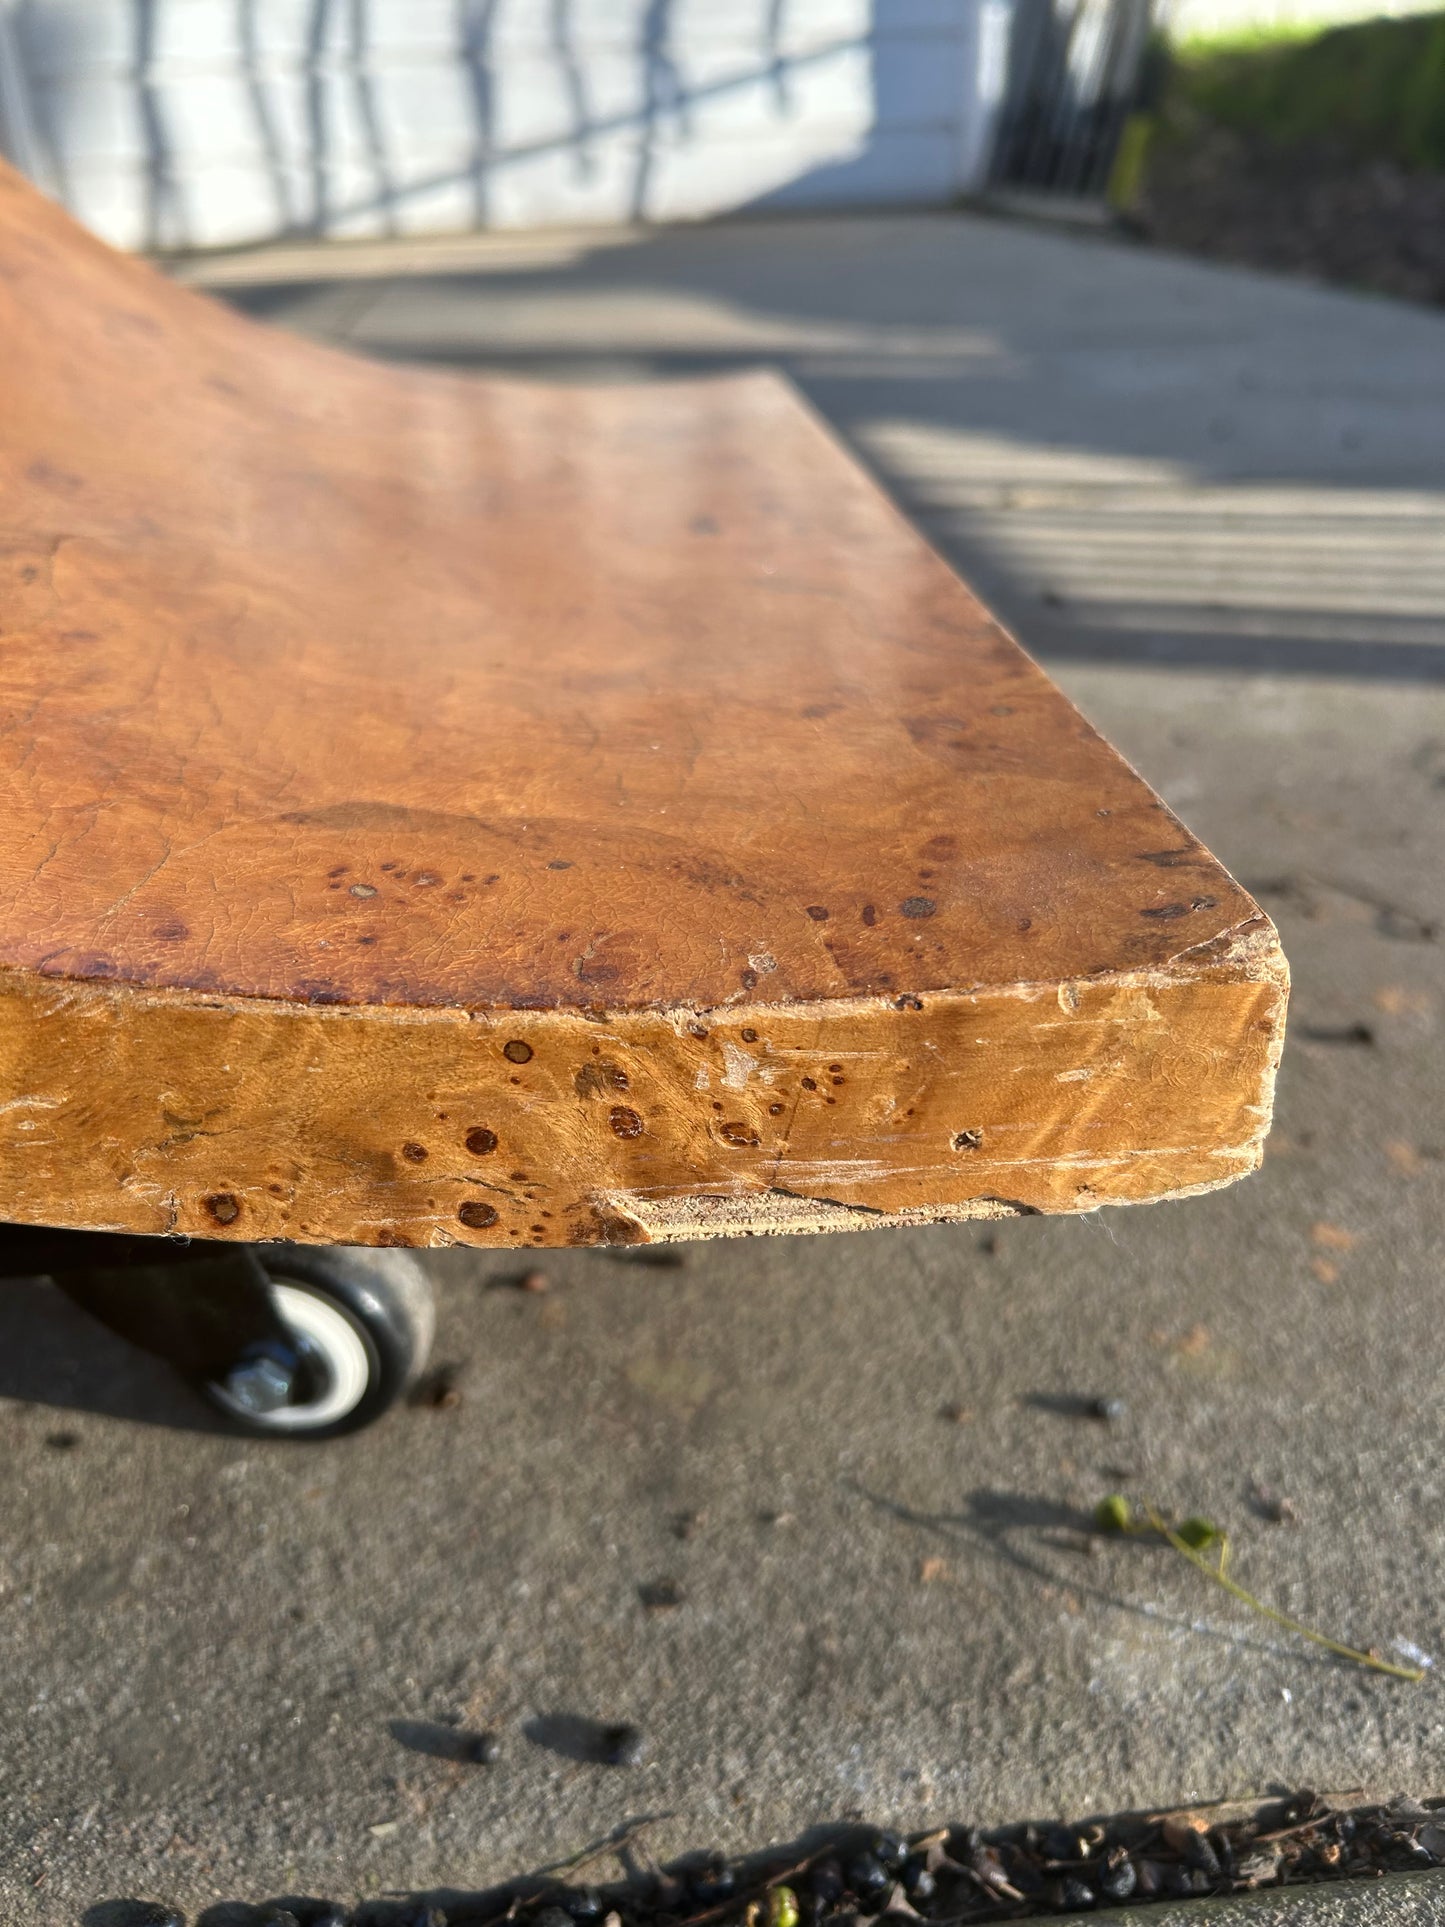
point(1214, 504)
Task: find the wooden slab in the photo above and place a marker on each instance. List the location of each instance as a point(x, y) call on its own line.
point(442, 810)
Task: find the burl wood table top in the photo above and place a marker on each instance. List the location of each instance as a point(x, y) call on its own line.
point(450, 810)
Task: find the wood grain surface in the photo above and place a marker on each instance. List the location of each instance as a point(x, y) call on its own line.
point(444, 810)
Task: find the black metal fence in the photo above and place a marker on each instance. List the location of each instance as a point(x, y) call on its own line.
point(1076, 69)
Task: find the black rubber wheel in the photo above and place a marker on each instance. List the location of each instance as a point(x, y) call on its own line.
point(359, 1327)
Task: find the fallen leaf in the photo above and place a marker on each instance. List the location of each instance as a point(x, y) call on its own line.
point(957, 1414)
point(1181, 1830)
point(932, 1569)
point(1332, 1237)
point(1326, 1270)
point(1194, 1342)
point(1405, 1158)
point(1258, 1867)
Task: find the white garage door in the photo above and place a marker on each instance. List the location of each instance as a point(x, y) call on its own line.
point(204, 123)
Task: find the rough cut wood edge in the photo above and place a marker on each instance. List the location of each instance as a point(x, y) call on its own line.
point(440, 1127)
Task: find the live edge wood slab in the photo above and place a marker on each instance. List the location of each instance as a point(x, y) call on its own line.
point(439, 810)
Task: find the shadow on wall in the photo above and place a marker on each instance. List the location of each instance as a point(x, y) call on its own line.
point(175, 124)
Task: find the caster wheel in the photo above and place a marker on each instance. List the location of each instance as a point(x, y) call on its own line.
point(357, 1329)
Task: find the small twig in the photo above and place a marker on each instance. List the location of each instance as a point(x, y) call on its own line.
point(619, 1838)
point(1221, 1578)
point(1283, 1833)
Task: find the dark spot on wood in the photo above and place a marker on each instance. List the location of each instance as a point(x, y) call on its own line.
point(394, 1238)
point(414, 1153)
point(313, 992)
point(223, 1207)
point(172, 932)
point(480, 1141)
point(697, 1030)
point(477, 1216)
point(749, 980)
point(775, 1110)
point(517, 1177)
point(834, 1069)
point(1165, 859)
point(870, 915)
point(716, 1105)
point(1166, 912)
point(624, 1122)
point(613, 1229)
point(838, 1080)
point(46, 475)
point(907, 1003)
point(938, 849)
point(705, 525)
point(559, 863)
point(817, 912)
point(1026, 924)
point(742, 1135)
point(425, 880)
point(517, 1052)
point(967, 1140)
point(1203, 903)
point(809, 1084)
point(750, 1037)
point(389, 866)
point(918, 906)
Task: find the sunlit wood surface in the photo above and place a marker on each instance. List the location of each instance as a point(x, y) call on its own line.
point(449, 810)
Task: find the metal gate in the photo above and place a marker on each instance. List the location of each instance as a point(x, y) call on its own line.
point(1075, 73)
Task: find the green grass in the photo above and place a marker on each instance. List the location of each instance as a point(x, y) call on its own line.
point(1375, 89)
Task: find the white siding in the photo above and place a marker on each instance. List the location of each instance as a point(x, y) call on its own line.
point(202, 123)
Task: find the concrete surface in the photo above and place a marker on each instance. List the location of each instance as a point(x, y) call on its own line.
point(1216, 506)
point(1403, 1900)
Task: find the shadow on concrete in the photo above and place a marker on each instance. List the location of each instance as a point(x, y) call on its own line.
point(52, 1354)
point(1134, 459)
